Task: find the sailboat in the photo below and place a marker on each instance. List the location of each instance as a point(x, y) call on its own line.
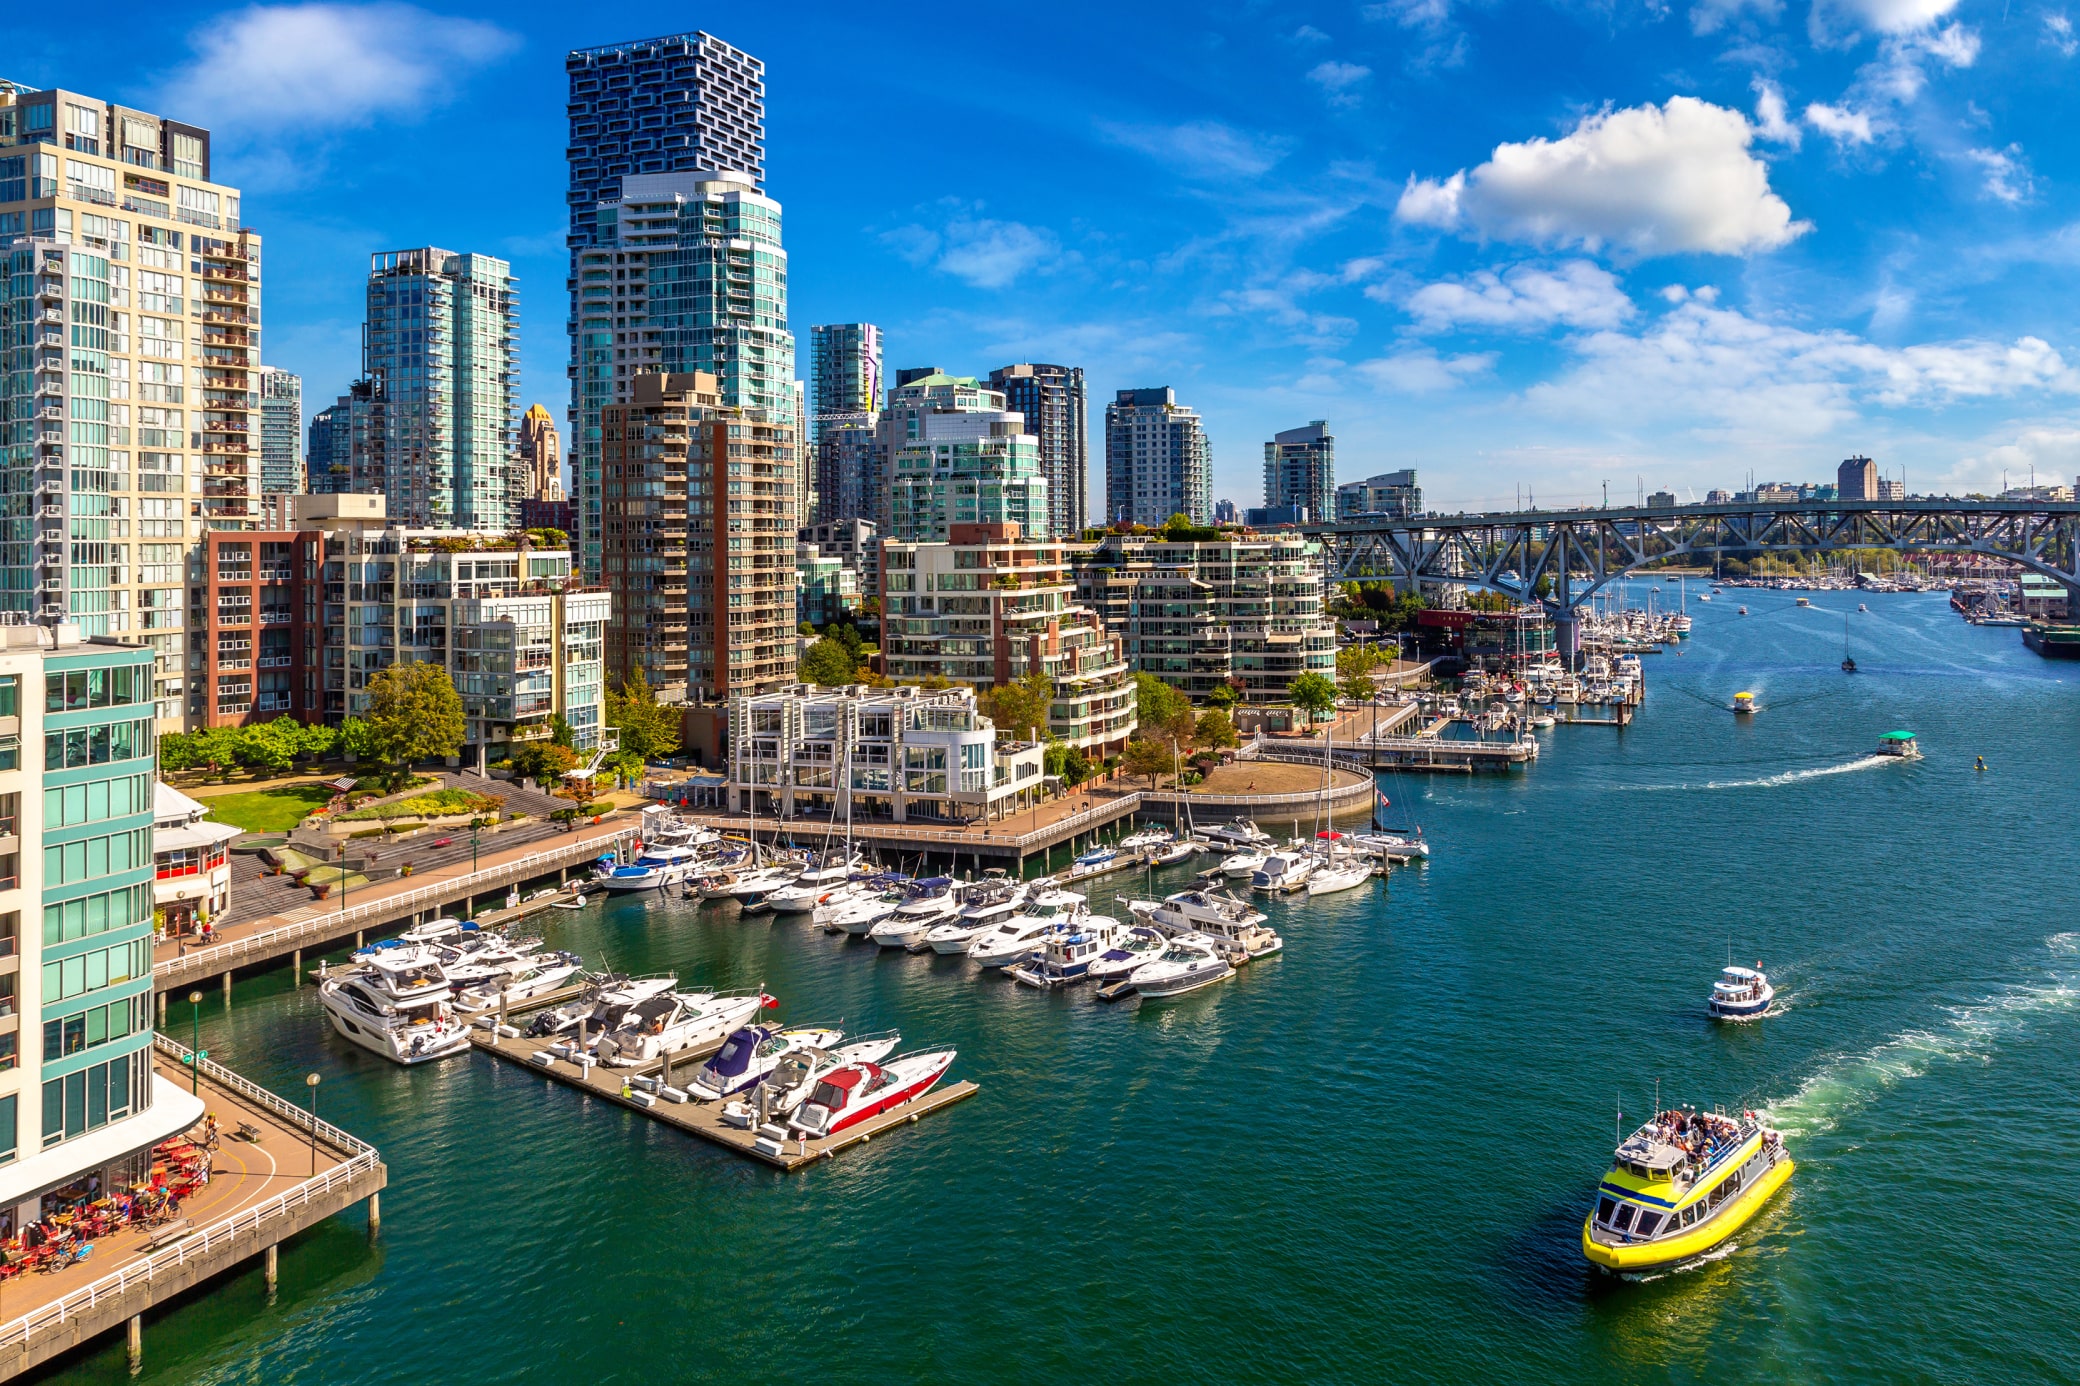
point(1848, 664)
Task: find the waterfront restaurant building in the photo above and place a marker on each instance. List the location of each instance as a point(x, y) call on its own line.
point(80, 1108)
point(191, 861)
point(902, 755)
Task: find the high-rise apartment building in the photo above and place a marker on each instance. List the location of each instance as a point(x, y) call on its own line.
point(1057, 414)
point(342, 450)
point(699, 540)
point(79, 1101)
point(965, 466)
point(281, 432)
point(1300, 470)
point(1389, 493)
point(917, 392)
point(1158, 462)
point(440, 347)
point(1242, 610)
point(1890, 489)
point(541, 456)
point(989, 608)
point(683, 103)
point(685, 274)
point(1857, 479)
point(129, 347)
point(844, 410)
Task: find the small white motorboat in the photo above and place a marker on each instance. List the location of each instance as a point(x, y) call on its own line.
point(1247, 862)
point(987, 904)
point(653, 870)
point(607, 998)
point(1141, 944)
point(926, 905)
point(1007, 942)
point(399, 1006)
point(673, 1021)
point(859, 914)
point(539, 974)
point(1066, 952)
point(796, 1075)
point(1146, 840)
point(1393, 846)
point(1191, 961)
point(1097, 858)
point(1284, 872)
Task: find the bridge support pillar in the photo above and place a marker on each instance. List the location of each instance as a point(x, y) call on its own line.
point(1567, 640)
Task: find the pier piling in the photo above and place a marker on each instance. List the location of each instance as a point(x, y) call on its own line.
point(375, 1216)
point(162, 1010)
point(227, 988)
point(273, 1264)
point(296, 966)
point(136, 1344)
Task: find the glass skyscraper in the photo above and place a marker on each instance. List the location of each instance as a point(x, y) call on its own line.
point(440, 349)
point(281, 431)
point(680, 104)
point(1057, 414)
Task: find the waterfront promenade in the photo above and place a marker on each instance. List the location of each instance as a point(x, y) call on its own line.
point(290, 1172)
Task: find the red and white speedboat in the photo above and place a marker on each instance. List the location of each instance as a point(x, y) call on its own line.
point(849, 1095)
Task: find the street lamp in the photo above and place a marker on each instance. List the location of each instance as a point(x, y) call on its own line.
point(195, 1041)
point(342, 883)
point(310, 1080)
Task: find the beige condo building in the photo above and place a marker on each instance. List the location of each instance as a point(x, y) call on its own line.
point(129, 405)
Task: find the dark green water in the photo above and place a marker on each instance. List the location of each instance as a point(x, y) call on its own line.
point(1366, 1160)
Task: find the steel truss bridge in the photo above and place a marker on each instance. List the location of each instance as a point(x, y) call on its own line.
point(1572, 554)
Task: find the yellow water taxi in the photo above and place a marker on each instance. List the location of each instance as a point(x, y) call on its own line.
point(1744, 702)
point(1680, 1186)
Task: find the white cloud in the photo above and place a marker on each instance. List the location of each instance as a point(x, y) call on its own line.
point(1339, 80)
point(1647, 180)
point(985, 253)
point(272, 73)
point(2053, 453)
point(1771, 121)
point(2058, 32)
point(1307, 33)
point(1718, 371)
point(1840, 124)
point(1201, 148)
point(1524, 298)
point(2007, 176)
point(1422, 371)
point(1830, 17)
point(1710, 16)
point(1411, 14)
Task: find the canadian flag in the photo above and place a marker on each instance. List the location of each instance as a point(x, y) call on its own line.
point(767, 1003)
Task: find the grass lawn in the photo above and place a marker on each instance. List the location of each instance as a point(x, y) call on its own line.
point(268, 810)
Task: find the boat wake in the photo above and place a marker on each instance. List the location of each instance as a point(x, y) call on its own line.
point(1973, 1032)
point(1784, 777)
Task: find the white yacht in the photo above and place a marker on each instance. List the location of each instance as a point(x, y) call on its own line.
point(607, 998)
point(797, 1073)
point(1130, 949)
point(764, 880)
point(1242, 833)
point(1147, 840)
point(858, 916)
point(1336, 873)
point(399, 1006)
point(926, 905)
point(668, 1023)
point(750, 1053)
point(1284, 872)
point(987, 904)
point(1006, 942)
point(815, 881)
point(1189, 910)
point(1247, 862)
point(1190, 962)
point(537, 974)
point(654, 869)
point(1393, 846)
point(1064, 954)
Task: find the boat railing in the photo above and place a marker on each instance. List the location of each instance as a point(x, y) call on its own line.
point(362, 1158)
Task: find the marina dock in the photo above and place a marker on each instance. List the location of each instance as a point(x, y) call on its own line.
point(704, 1119)
point(1006, 840)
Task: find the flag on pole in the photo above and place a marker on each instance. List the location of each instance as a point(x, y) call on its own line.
point(1384, 801)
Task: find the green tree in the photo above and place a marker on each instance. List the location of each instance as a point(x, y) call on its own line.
point(848, 635)
point(271, 746)
point(1313, 694)
point(1162, 711)
point(560, 732)
point(649, 729)
point(218, 747)
point(317, 741)
point(1019, 707)
point(414, 714)
point(1067, 763)
point(1147, 758)
point(177, 751)
point(805, 629)
point(356, 739)
point(542, 761)
point(1216, 728)
point(1226, 694)
point(827, 664)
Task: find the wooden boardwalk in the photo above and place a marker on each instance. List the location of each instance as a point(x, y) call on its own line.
point(704, 1119)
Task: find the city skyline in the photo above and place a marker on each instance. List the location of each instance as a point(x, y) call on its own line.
point(1866, 261)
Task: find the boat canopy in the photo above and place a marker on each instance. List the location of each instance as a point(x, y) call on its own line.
point(1741, 974)
point(1897, 736)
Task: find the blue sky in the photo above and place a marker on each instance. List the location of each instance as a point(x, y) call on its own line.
point(1524, 247)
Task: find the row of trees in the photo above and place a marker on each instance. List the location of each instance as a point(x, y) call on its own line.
point(414, 714)
point(1169, 730)
point(649, 731)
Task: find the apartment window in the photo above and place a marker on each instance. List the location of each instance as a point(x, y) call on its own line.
point(93, 1097)
point(9, 1106)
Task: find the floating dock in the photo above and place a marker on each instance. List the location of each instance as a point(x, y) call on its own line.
point(704, 1119)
